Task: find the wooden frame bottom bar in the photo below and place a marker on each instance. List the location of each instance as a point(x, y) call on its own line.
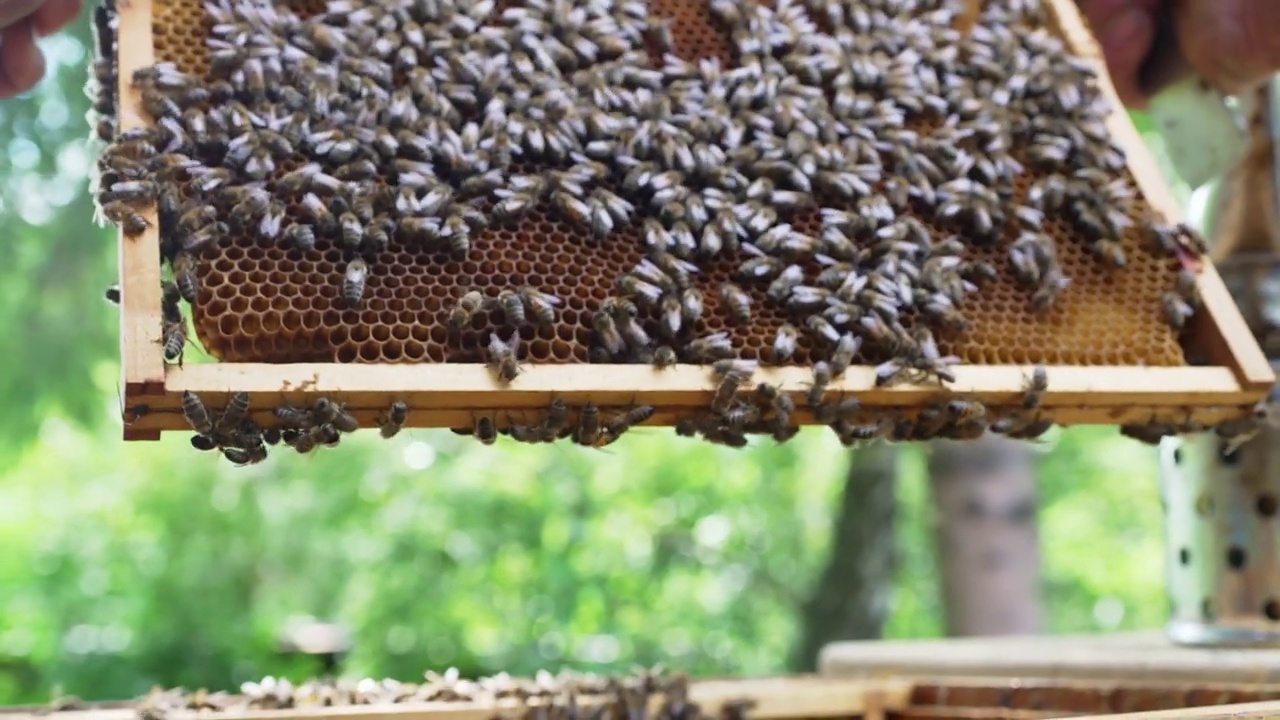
point(455, 395)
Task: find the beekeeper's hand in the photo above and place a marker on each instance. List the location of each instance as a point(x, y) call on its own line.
point(1234, 44)
point(21, 22)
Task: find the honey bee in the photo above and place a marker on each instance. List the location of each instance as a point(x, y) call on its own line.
point(1187, 288)
point(892, 372)
point(173, 337)
point(844, 411)
point(1110, 252)
point(203, 443)
point(626, 420)
point(328, 412)
point(1176, 310)
point(664, 357)
point(785, 343)
point(512, 308)
point(245, 456)
point(588, 432)
point(195, 413)
point(607, 333)
point(302, 237)
point(541, 305)
point(557, 418)
point(842, 357)
point(126, 217)
point(965, 410)
point(1235, 433)
point(727, 390)
point(293, 417)
point(821, 379)
point(503, 356)
point(711, 348)
point(390, 424)
point(850, 434)
point(318, 213)
point(353, 282)
point(781, 403)
point(1034, 388)
point(315, 436)
point(1051, 286)
point(352, 231)
point(184, 276)
point(691, 305)
point(736, 302)
point(819, 325)
point(468, 305)
point(485, 431)
point(234, 414)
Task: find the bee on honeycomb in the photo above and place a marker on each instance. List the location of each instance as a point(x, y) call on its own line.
point(888, 182)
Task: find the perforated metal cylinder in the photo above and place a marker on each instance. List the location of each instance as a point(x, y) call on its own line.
point(1223, 540)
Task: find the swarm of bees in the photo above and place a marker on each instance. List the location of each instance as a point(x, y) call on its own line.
point(242, 441)
point(645, 694)
point(843, 169)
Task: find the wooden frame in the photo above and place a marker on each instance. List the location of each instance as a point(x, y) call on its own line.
point(786, 698)
point(452, 395)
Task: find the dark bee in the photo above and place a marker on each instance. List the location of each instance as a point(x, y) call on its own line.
point(821, 379)
point(1034, 388)
point(737, 303)
point(174, 338)
point(184, 276)
point(512, 308)
point(503, 356)
point(293, 417)
point(624, 421)
point(467, 307)
point(234, 414)
point(245, 456)
point(353, 282)
point(664, 357)
point(113, 294)
point(328, 412)
point(588, 432)
point(389, 424)
point(539, 304)
point(352, 231)
point(197, 416)
point(302, 237)
point(485, 431)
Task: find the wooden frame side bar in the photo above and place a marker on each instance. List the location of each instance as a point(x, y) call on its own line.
point(1243, 711)
point(1226, 337)
point(141, 353)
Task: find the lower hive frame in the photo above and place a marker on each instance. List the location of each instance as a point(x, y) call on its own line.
point(1235, 377)
point(810, 698)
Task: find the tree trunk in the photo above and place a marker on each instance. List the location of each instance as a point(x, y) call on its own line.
point(851, 598)
point(985, 530)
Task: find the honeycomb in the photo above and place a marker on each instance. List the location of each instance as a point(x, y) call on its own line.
point(261, 302)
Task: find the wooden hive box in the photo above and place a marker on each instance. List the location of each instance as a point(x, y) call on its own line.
point(1109, 360)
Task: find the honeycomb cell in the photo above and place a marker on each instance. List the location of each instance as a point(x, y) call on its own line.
point(347, 353)
point(414, 351)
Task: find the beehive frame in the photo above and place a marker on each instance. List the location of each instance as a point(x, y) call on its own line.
point(452, 395)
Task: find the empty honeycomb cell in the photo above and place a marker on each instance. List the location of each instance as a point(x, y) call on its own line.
point(380, 333)
point(214, 308)
point(347, 353)
point(251, 324)
point(392, 350)
point(414, 351)
point(359, 333)
point(312, 320)
point(223, 265)
point(439, 293)
point(236, 278)
point(280, 303)
point(238, 305)
point(225, 292)
point(540, 348)
point(421, 333)
point(376, 305)
point(561, 350)
point(228, 325)
point(234, 253)
point(339, 335)
point(300, 303)
point(290, 322)
point(399, 331)
point(259, 304)
point(439, 334)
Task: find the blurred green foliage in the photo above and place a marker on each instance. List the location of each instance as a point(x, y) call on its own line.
point(127, 565)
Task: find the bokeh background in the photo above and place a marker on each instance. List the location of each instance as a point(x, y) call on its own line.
point(123, 566)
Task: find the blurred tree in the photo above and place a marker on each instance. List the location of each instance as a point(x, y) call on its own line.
point(850, 600)
point(985, 534)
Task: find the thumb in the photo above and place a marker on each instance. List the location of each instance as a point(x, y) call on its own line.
point(1234, 44)
point(21, 62)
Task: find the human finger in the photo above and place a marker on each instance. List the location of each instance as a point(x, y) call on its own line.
point(1234, 44)
point(11, 11)
point(1125, 30)
point(55, 15)
point(21, 62)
